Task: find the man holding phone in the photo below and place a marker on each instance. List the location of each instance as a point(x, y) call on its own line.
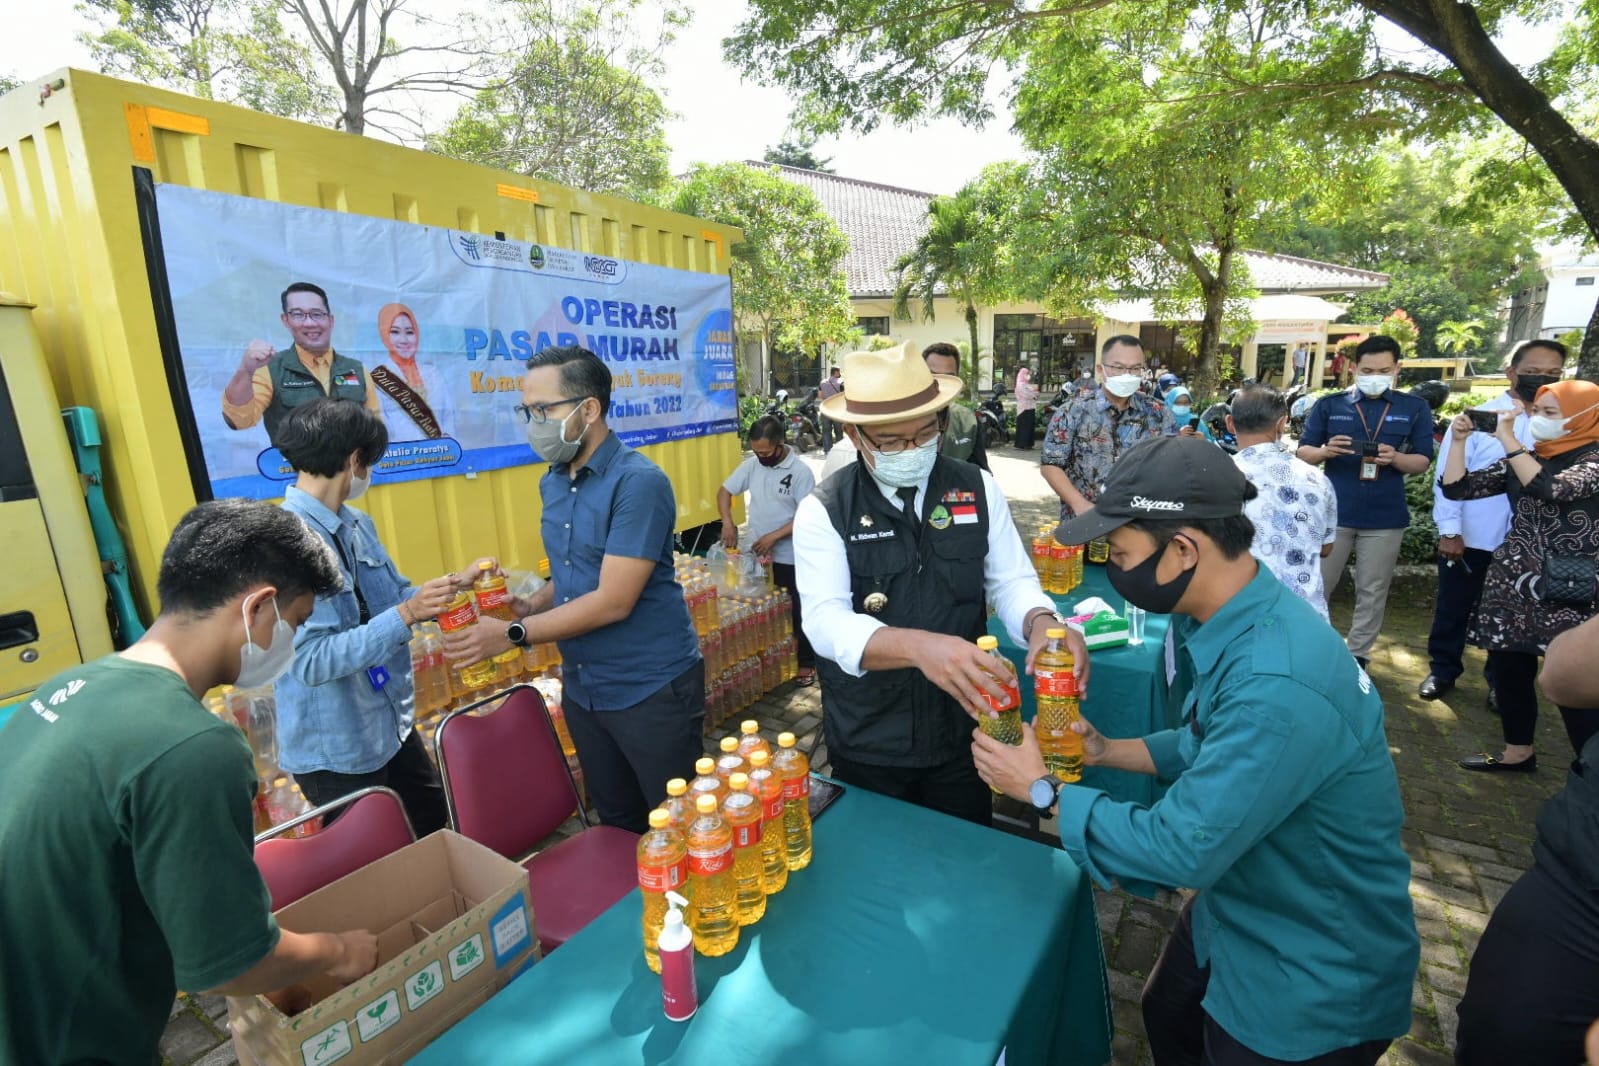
point(1368, 439)
point(1470, 530)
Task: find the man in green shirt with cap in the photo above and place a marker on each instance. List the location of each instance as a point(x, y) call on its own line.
point(1284, 809)
point(125, 809)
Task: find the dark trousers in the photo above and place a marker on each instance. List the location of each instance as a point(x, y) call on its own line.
point(830, 433)
point(1182, 1034)
point(1534, 984)
point(1026, 428)
point(783, 574)
point(1459, 589)
point(953, 787)
point(411, 774)
point(1515, 676)
point(629, 754)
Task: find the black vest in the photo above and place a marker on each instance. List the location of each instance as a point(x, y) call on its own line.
point(934, 582)
point(293, 385)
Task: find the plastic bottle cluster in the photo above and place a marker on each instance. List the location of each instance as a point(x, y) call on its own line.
point(727, 840)
point(277, 797)
point(1059, 566)
point(747, 641)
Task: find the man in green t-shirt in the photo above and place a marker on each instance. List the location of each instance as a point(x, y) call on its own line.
point(126, 868)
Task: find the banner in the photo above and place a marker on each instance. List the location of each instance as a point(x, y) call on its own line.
point(430, 328)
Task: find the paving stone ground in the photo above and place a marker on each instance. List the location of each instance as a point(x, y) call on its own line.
point(1469, 836)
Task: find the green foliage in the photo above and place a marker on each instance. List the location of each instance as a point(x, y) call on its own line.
point(749, 409)
point(576, 106)
point(955, 256)
point(1425, 295)
point(788, 271)
point(8, 82)
point(801, 154)
point(1458, 338)
point(1420, 545)
point(1460, 401)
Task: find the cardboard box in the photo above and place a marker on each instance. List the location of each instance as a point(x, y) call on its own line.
point(454, 923)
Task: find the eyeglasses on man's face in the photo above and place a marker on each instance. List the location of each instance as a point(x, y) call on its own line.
point(297, 316)
point(539, 413)
point(895, 444)
point(1124, 368)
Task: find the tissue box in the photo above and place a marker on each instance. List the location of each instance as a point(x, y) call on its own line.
point(1102, 630)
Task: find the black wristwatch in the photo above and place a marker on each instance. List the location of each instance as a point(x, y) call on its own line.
point(1043, 794)
point(516, 633)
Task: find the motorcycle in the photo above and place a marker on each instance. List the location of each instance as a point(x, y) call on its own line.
point(1046, 412)
point(805, 423)
point(991, 418)
point(1215, 422)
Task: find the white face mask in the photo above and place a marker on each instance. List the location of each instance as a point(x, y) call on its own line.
point(358, 486)
point(258, 666)
point(1123, 385)
point(1374, 384)
point(906, 469)
point(1547, 427)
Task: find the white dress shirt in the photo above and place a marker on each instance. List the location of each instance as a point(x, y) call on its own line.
point(1483, 523)
point(1295, 512)
point(821, 570)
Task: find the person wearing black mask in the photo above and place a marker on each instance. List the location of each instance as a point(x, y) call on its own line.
point(1470, 530)
point(1284, 809)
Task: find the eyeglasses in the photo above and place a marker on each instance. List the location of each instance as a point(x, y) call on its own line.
point(1114, 368)
point(307, 316)
point(894, 445)
point(539, 413)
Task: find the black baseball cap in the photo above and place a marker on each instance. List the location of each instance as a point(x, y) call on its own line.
point(1171, 478)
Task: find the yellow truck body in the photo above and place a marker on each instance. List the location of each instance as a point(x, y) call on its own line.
point(70, 244)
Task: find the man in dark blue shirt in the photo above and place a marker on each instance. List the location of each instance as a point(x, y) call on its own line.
point(634, 692)
point(1369, 438)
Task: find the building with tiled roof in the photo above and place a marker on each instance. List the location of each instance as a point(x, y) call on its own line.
point(883, 222)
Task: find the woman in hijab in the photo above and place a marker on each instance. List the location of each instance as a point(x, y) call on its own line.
point(1026, 409)
point(1542, 578)
point(415, 403)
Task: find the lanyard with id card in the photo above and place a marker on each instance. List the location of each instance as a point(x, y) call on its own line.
point(1369, 446)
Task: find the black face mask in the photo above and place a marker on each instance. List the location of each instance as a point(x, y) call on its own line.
point(1137, 585)
point(1527, 385)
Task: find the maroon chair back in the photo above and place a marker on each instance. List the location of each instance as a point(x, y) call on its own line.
point(371, 824)
point(505, 778)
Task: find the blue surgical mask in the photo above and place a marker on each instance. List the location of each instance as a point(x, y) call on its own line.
point(906, 469)
point(1181, 410)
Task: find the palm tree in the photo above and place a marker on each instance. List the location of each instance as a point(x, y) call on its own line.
point(948, 259)
point(1457, 337)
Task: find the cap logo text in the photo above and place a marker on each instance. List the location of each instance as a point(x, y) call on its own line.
point(1143, 503)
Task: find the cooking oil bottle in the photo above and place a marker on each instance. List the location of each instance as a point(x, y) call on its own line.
point(765, 783)
point(713, 895)
point(1055, 686)
point(662, 868)
point(1007, 728)
point(678, 804)
point(494, 601)
point(730, 762)
point(742, 809)
point(795, 771)
point(707, 782)
point(462, 614)
point(751, 739)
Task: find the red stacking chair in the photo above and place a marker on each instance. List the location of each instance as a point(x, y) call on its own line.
point(509, 788)
point(373, 824)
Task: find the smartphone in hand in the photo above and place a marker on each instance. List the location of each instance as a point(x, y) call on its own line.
point(1193, 422)
point(1484, 421)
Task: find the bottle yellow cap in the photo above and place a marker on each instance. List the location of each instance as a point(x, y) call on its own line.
point(705, 767)
point(749, 727)
point(738, 782)
point(706, 804)
point(485, 565)
point(785, 740)
point(659, 819)
point(988, 643)
point(729, 744)
point(1055, 634)
point(676, 787)
point(760, 758)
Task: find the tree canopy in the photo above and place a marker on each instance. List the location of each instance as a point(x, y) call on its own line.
point(801, 154)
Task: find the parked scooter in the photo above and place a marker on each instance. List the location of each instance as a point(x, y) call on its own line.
point(992, 420)
point(805, 423)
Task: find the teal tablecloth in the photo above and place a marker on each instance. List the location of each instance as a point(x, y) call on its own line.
point(911, 938)
point(1126, 689)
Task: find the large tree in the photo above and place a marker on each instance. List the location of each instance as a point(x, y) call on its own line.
point(955, 256)
point(577, 104)
point(788, 271)
point(801, 154)
point(859, 61)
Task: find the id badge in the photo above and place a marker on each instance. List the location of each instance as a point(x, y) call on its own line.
point(1368, 470)
point(377, 677)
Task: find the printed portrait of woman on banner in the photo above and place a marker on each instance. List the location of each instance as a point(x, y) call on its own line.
point(415, 401)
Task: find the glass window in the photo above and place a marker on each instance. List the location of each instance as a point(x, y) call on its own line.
point(873, 325)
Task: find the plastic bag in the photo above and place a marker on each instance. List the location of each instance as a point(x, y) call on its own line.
point(737, 573)
point(523, 584)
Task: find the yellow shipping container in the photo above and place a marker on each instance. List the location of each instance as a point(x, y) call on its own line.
point(70, 243)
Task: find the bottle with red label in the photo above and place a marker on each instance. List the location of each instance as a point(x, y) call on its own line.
point(1005, 725)
point(662, 868)
point(494, 601)
point(1055, 686)
point(742, 809)
point(462, 614)
point(765, 783)
point(713, 895)
point(680, 994)
point(795, 771)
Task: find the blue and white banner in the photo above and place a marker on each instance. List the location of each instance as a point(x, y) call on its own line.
point(431, 328)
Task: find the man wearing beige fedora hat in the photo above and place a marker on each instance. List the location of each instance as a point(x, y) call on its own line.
point(896, 557)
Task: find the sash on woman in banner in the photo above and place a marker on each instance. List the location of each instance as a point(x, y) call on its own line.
point(410, 402)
